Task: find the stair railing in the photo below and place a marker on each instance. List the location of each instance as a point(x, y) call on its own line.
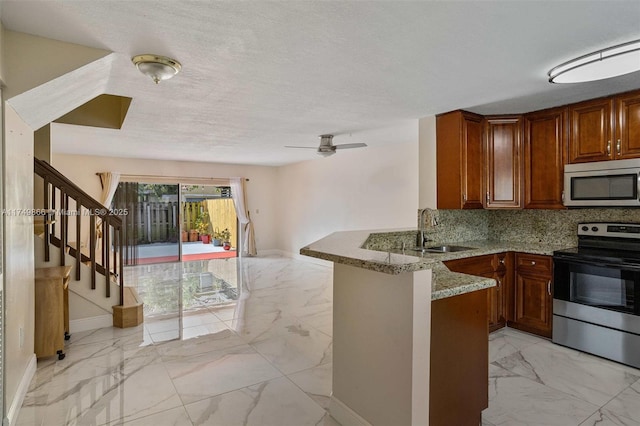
point(64, 199)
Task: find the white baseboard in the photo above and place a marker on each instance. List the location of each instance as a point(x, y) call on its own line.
point(92, 323)
point(21, 392)
point(310, 259)
point(345, 415)
point(296, 256)
point(271, 252)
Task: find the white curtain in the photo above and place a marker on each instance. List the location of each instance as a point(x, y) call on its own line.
point(109, 183)
point(247, 236)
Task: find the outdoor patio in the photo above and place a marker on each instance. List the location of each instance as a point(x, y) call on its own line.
point(168, 252)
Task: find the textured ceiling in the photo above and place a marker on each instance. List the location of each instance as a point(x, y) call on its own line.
point(258, 75)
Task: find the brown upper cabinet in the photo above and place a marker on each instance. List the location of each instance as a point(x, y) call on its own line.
point(628, 125)
point(503, 162)
point(544, 158)
point(605, 129)
point(459, 160)
point(515, 161)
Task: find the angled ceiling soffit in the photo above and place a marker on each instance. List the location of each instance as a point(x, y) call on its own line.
point(55, 98)
point(106, 111)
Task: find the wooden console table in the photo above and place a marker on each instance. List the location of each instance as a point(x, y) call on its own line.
point(52, 310)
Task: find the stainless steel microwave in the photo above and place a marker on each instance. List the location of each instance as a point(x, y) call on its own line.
point(602, 184)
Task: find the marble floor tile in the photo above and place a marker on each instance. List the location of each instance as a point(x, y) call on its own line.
point(582, 375)
point(625, 407)
point(288, 343)
point(116, 336)
point(199, 317)
point(506, 342)
point(517, 400)
point(266, 359)
point(272, 403)
point(100, 359)
point(315, 382)
point(104, 399)
point(225, 312)
point(183, 349)
point(602, 418)
point(319, 317)
point(218, 372)
point(173, 417)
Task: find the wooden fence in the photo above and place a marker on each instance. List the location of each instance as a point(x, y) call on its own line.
point(158, 221)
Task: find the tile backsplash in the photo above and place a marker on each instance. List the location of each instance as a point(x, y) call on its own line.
point(534, 226)
point(457, 225)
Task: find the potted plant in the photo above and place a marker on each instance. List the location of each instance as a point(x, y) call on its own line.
point(217, 238)
point(202, 226)
point(225, 236)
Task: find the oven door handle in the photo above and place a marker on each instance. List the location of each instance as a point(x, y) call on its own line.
point(624, 267)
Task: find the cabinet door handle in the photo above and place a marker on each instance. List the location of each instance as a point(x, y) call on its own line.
point(618, 146)
point(499, 282)
point(488, 197)
point(464, 198)
point(549, 287)
point(533, 263)
point(608, 147)
point(502, 261)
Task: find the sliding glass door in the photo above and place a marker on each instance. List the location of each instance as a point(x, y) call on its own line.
point(152, 222)
point(170, 222)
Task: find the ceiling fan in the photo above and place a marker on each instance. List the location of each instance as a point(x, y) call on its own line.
point(327, 147)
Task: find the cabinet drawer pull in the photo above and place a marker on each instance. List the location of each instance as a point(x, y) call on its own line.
point(533, 263)
point(549, 287)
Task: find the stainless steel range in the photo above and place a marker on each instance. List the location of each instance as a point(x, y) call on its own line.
point(596, 300)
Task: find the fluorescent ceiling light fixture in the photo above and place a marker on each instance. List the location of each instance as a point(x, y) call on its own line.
point(606, 63)
point(157, 67)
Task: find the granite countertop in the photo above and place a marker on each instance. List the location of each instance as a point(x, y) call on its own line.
point(347, 248)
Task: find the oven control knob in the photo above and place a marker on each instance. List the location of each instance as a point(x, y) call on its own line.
point(585, 228)
point(594, 229)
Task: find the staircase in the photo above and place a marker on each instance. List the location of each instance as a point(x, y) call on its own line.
point(79, 230)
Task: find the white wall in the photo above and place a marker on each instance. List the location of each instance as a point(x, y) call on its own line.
point(427, 147)
point(32, 61)
point(370, 188)
point(261, 188)
point(18, 257)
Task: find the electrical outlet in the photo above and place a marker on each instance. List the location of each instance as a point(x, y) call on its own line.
point(21, 337)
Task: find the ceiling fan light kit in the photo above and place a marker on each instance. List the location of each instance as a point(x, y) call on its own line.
point(327, 147)
point(157, 67)
point(605, 63)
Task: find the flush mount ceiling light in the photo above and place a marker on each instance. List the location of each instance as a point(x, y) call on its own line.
point(157, 67)
point(610, 62)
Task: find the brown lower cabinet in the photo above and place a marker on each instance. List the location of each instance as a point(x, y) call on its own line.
point(522, 296)
point(532, 305)
point(459, 341)
point(498, 267)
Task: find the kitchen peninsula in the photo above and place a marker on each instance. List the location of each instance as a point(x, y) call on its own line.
point(387, 331)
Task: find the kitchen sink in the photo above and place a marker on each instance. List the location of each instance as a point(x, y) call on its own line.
point(442, 249)
point(447, 249)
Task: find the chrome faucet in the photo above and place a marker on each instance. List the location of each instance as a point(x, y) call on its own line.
point(433, 221)
point(420, 239)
